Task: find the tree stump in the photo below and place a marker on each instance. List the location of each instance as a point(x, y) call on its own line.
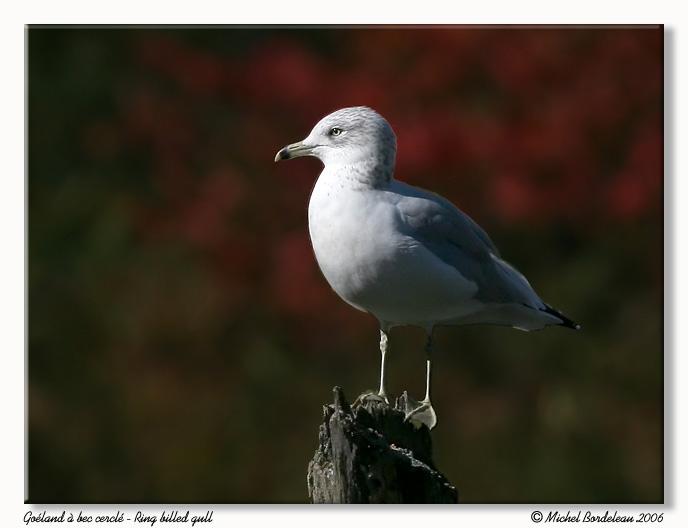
point(369, 454)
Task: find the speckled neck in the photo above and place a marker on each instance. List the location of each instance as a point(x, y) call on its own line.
point(374, 174)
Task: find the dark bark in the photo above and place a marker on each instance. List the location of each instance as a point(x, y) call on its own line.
point(369, 454)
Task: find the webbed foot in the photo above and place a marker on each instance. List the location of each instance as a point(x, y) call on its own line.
point(418, 413)
point(371, 396)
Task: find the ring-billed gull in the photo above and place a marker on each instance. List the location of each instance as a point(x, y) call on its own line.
point(403, 254)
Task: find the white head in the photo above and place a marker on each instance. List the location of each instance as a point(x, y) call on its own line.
point(350, 136)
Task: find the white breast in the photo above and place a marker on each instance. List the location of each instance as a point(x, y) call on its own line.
point(363, 253)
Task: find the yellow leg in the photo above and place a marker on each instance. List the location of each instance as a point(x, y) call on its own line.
point(422, 412)
point(384, 348)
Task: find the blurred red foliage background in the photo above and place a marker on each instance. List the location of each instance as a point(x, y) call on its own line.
point(181, 338)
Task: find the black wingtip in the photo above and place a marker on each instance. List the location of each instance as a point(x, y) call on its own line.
point(568, 323)
point(565, 321)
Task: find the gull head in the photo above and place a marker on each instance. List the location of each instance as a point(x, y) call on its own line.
point(348, 137)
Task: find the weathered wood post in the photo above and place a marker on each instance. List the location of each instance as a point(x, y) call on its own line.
point(369, 454)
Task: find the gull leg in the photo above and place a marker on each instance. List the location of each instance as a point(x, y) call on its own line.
point(384, 348)
point(383, 394)
point(422, 412)
point(429, 351)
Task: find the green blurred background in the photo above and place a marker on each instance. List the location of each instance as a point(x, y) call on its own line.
point(181, 340)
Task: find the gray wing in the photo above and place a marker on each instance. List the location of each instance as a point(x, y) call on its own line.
point(457, 240)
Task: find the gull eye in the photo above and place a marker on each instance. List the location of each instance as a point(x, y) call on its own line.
point(335, 131)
